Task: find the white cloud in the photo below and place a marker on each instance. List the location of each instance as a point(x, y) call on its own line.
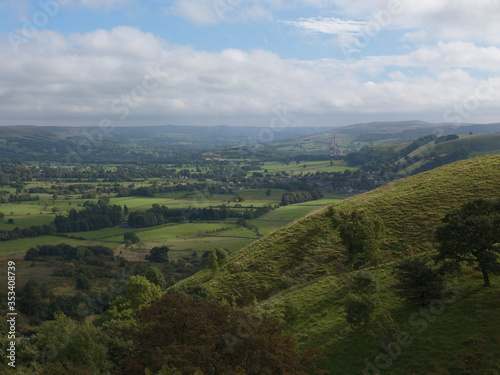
point(446, 19)
point(328, 25)
point(84, 78)
point(441, 19)
point(199, 12)
point(210, 12)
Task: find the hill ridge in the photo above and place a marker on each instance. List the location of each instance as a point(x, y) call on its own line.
point(296, 274)
point(422, 200)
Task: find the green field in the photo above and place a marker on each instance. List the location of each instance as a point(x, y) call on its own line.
point(140, 202)
point(22, 245)
point(182, 238)
point(307, 166)
point(267, 226)
point(98, 234)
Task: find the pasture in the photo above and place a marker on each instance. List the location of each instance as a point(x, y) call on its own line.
point(182, 238)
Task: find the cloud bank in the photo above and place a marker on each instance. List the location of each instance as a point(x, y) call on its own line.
point(81, 78)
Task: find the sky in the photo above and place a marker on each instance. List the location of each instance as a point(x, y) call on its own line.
point(248, 62)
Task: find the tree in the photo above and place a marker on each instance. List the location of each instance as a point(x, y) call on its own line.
point(217, 257)
point(158, 254)
point(104, 200)
point(417, 283)
point(83, 283)
point(130, 237)
point(154, 275)
point(2, 216)
point(359, 309)
point(65, 340)
point(361, 234)
point(212, 260)
point(189, 335)
point(30, 301)
point(138, 293)
point(360, 303)
point(471, 235)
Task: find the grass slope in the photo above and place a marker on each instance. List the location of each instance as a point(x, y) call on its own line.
point(299, 266)
point(477, 145)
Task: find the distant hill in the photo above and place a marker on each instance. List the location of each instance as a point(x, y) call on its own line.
point(407, 130)
point(199, 136)
point(354, 137)
point(299, 266)
point(94, 144)
point(424, 153)
point(30, 143)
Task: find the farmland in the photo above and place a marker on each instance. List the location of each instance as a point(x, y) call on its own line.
point(179, 237)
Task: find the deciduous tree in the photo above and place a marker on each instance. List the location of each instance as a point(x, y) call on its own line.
point(361, 234)
point(359, 309)
point(471, 235)
point(188, 335)
point(130, 237)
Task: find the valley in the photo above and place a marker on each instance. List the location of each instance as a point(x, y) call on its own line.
point(254, 227)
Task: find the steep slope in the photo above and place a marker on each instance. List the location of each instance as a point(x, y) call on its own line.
point(411, 208)
point(437, 153)
point(296, 273)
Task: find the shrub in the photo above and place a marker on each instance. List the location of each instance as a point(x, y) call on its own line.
point(417, 283)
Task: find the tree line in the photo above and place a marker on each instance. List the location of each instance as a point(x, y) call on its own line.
point(161, 215)
point(92, 217)
point(299, 197)
point(14, 198)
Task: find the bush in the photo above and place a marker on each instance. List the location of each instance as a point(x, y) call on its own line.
point(130, 237)
point(418, 283)
point(154, 275)
point(359, 309)
point(83, 283)
point(198, 292)
point(158, 254)
point(217, 257)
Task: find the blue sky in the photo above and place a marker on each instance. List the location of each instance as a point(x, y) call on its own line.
point(239, 62)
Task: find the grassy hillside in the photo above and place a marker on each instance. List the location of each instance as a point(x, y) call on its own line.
point(477, 145)
point(298, 268)
point(469, 146)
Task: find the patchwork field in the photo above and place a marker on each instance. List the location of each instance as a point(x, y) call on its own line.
point(307, 167)
point(181, 238)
